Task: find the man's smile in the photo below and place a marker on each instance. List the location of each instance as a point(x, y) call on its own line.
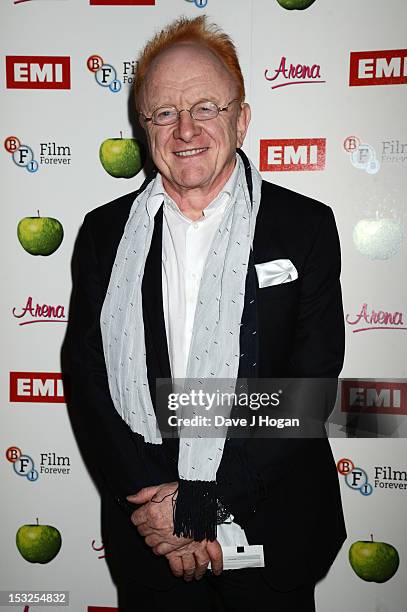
point(190, 152)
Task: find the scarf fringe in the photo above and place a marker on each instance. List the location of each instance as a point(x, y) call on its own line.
point(196, 510)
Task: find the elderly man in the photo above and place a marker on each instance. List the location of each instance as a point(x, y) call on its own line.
point(182, 279)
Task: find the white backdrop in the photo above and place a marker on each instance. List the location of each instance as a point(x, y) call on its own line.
point(70, 123)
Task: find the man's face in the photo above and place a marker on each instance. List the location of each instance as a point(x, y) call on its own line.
point(180, 77)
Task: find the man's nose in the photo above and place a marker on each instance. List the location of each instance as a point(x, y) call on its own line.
point(186, 127)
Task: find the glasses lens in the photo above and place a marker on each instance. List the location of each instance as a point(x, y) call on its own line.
point(165, 115)
point(204, 110)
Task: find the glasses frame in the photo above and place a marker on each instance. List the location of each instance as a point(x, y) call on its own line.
point(220, 109)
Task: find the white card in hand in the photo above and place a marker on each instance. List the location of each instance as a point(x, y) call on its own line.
point(237, 557)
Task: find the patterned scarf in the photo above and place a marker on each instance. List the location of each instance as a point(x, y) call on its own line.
point(214, 350)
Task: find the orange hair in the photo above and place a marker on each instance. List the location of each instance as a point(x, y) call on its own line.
point(191, 30)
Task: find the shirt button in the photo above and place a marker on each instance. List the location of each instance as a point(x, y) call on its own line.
point(195, 225)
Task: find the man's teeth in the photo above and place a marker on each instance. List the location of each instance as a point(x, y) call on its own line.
point(190, 152)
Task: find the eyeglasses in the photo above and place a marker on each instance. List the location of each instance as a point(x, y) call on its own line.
point(201, 111)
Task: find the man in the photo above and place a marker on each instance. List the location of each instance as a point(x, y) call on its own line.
point(183, 279)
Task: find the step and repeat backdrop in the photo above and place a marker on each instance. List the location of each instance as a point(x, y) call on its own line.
point(327, 82)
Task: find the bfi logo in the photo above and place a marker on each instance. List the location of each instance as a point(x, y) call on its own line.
point(38, 72)
point(42, 387)
point(378, 67)
point(374, 397)
point(23, 465)
point(22, 155)
point(287, 155)
point(355, 477)
point(105, 74)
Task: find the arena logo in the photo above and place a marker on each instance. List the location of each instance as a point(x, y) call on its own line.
point(295, 154)
point(378, 67)
point(38, 72)
point(40, 387)
point(50, 463)
point(369, 319)
point(105, 74)
point(122, 2)
point(294, 74)
point(355, 477)
point(32, 312)
point(374, 397)
point(25, 1)
point(51, 154)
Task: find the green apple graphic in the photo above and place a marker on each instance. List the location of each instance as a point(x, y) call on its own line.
point(378, 238)
point(295, 4)
point(38, 543)
point(40, 235)
point(374, 561)
point(121, 157)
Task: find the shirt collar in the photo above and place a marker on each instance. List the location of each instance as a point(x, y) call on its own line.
point(158, 195)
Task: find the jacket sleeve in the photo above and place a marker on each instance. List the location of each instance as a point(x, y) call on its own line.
point(104, 439)
point(249, 470)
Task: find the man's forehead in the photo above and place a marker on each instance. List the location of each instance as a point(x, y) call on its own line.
point(183, 60)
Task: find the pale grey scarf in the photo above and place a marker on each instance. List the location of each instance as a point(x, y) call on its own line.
point(214, 349)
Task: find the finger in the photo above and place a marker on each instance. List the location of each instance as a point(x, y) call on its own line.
point(144, 529)
point(201, 562)
point(214, 551)
point(153, 540)
point(188, 563)
point(139, 516)
point(143, 496)
point(176, 566)
point(163, 548)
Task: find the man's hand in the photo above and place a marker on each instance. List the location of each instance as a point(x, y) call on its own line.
point(154, 521)
point(191, 561)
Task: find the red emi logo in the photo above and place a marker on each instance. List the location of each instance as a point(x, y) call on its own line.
point(378, 67)
point(38, 72)
point(122, 3)
point(373, 397)
point(42, 387)
point(292, 154)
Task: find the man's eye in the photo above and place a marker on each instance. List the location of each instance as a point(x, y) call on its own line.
point(205, 108)
point(165, 113)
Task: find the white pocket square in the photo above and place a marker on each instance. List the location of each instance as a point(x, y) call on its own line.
point(275, 272)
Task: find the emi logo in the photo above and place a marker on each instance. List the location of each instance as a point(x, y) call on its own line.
point(374, 397)
point(378, 68)
point(42, 387)
point(294, 154)
point(38, 72)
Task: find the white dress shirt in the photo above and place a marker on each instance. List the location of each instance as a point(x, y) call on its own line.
point(185, 248)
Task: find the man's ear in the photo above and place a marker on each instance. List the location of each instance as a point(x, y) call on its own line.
point(243, 121)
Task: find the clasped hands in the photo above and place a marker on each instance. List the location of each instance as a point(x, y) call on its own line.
point(154, 521)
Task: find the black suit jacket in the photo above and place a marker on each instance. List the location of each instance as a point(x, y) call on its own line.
point(296, 513)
